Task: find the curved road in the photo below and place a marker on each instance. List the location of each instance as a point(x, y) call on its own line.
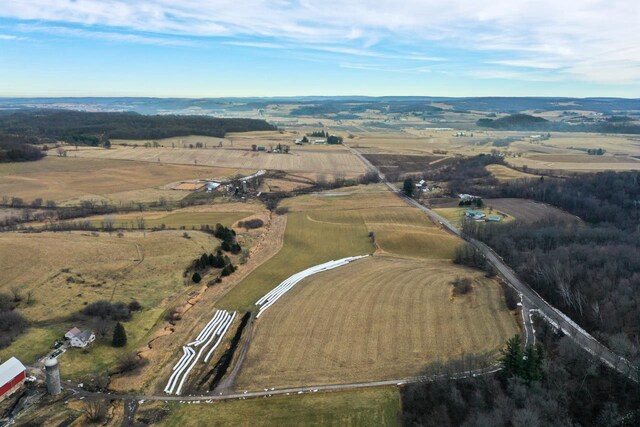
point(530, 298)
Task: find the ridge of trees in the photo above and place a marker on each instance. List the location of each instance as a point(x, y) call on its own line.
point(526, 122)
point(94, 129)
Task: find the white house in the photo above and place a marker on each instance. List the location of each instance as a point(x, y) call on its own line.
point(72, 333)
point(80, 338)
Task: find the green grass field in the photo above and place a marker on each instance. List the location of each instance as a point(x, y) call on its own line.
point(373, 407)
point(306, 243)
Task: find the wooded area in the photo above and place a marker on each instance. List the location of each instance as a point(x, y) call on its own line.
point(591, 270)
point(574, 390)
point(96, 128)
point(18, 149)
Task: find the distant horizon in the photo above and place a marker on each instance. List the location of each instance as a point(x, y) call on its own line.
point(312, 97)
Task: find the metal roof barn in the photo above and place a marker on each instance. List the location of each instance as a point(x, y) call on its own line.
point(12, 373)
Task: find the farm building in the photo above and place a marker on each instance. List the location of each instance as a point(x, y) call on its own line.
point(465, 197)
point(493, 218)
point(79, 338)
point(72, 333)
point(475, 215)
point(12, 375)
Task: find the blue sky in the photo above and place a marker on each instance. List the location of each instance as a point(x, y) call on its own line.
point(284, 48)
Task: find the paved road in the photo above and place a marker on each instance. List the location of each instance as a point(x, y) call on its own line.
point(530, 298)
point(132, 400)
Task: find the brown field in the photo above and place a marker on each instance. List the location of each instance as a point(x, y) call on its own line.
point(527, 210)
point(378, 318)
point(70, 179)
point(504, 173)
point(191, 217)
point(575, 162)
point(189, 186)
point(330, 160)
point(65, 271)
point(563, 151)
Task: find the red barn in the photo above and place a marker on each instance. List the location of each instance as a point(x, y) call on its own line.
point(12, 374)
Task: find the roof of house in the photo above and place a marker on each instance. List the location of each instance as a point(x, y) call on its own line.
point(84, 336)
point(9, 370)
point(471, 212)
point(73, 331)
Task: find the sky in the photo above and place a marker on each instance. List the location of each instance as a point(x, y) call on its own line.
point(220, 48)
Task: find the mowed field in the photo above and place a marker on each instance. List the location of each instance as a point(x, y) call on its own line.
point(373, 407)
point(329, 160)
point(69, 180)
point(505, 173)
point(66, 271)
point(575, 162)
point(336, 224)
point(226, 214)
point(382, 317)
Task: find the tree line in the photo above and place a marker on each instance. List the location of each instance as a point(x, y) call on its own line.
point(18, 149)
point(94, 129)
point(526, 122)
point(553, 384)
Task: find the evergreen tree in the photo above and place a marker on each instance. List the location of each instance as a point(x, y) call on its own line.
point(204, 261)
point(119, 336)
point(196, 277)
point(511, 359)
point(408, 187)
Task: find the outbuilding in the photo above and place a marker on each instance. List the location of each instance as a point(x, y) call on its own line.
point(12, 375)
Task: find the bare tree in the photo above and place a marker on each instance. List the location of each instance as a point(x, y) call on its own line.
point(95, 410)
point(140, 222)
point(61, 151)
point(17, 294)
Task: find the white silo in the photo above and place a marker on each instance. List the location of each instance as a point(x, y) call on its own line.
point(52, 371)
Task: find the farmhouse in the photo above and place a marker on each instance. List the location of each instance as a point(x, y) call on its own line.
point(79, 338)
point(12, 375)
point(72, 333)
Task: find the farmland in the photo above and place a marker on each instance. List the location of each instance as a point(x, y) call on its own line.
point(336, 224)
point(329, 160)
point(504, 173)
point(147, 268)
point(70, 179)
point(379, 407)
point(192, 217)
point(378, 318)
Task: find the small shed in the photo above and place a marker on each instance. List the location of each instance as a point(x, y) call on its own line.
point(12, 375)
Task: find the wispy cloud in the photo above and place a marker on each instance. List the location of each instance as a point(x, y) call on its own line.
point(106, 35)
point(574, 39)
point(262, 45)
point(9, 37)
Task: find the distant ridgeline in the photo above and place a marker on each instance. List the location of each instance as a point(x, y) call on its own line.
point(95, 128)
point(526, 122)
